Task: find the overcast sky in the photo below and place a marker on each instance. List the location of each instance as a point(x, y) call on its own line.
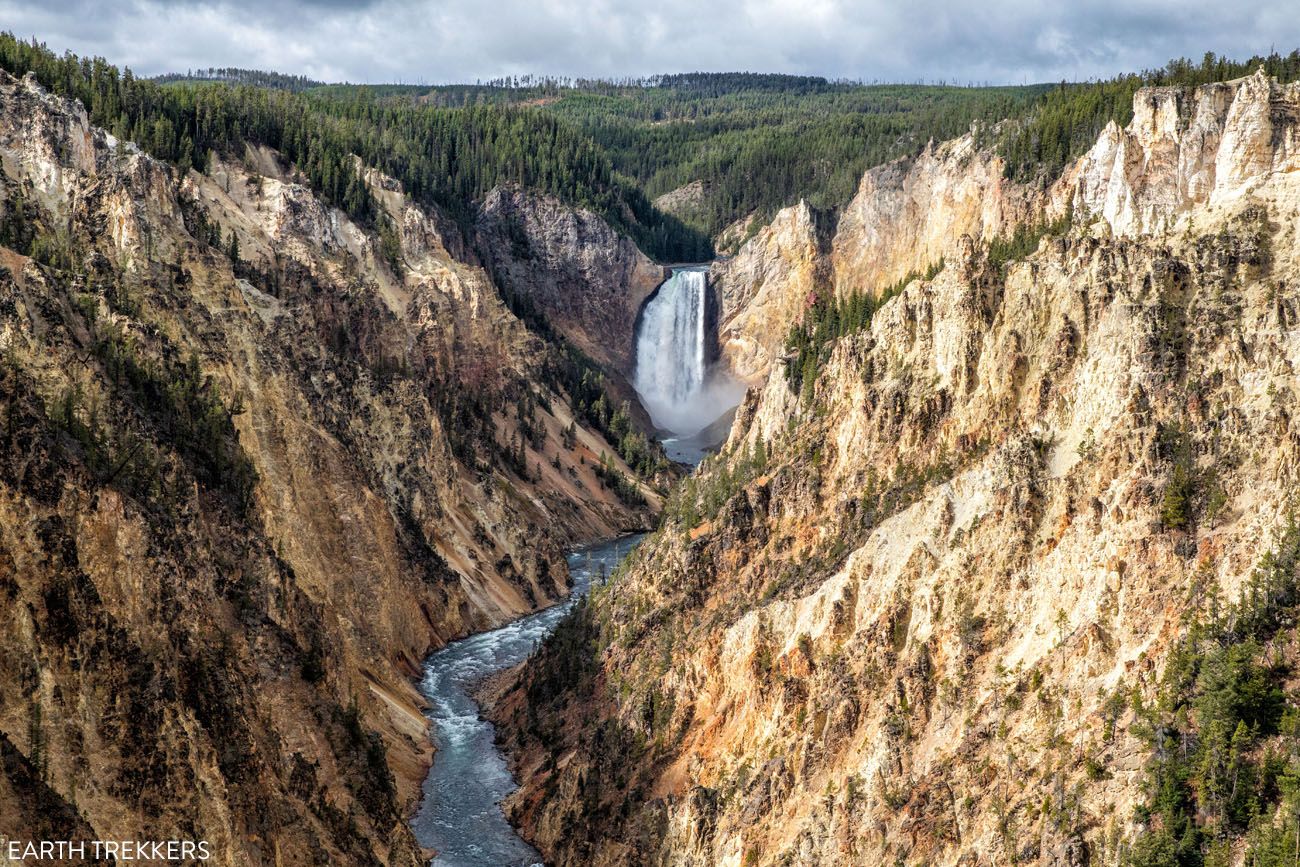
point(430, 41)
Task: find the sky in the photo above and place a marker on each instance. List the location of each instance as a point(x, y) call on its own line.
point(437, 41)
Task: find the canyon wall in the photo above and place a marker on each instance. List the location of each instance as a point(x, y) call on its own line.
point(569, 266)
point(765, 287)
point(903, 220)
point(1183, 150)
point(922, 613)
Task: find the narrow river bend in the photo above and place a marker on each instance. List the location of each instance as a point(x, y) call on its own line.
point(460, 816)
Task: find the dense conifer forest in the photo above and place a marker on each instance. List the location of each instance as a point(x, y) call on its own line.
point(235, 75)
point(756, 142)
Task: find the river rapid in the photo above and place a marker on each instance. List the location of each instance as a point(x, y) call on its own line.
point(460, 816)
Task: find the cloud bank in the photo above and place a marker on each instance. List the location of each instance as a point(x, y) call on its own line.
point(431, 41)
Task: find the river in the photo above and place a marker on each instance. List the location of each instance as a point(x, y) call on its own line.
point(460, 816)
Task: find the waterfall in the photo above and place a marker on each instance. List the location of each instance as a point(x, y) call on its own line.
point(671, 367)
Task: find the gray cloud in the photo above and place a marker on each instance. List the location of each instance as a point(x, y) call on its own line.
point(1001, 41)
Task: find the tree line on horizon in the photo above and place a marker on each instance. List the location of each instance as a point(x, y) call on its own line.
point(236, 75)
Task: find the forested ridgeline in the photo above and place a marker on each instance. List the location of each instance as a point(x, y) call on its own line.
point(444, 157)
point(1068, 119)
point(236, 75)
point(754, 143)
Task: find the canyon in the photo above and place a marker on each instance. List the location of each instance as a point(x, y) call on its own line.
point(255, 467)
point(321, 529)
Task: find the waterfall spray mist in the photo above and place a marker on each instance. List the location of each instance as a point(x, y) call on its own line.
point(672, 370)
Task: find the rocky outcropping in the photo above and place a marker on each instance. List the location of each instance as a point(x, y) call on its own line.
point(1184, 150)
point(906, 216)
point(683, 201)
point(920, 613)
point(765, 287)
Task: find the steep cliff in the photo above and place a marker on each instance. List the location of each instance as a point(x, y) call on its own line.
point(256, 460)
point(1187, 151)
point(972, 595)
point(906, 215)
point(904, 219)
point(1183, 150)
point(571, 268)
point(765, 287)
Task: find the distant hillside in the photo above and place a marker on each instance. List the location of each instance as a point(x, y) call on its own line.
point(235, 75)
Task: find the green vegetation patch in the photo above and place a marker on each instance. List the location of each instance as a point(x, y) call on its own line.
point(1223, 732)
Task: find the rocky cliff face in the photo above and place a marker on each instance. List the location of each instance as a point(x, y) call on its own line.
point(907, 214)
point(765, 287)
point(905, 217)
point(684, 200)
point(569, 266)
point(1183, 151)
point(1187, 151)
point(255, 461)
point(922, 614)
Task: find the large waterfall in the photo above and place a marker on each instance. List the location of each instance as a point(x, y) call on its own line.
point(673, 376)
point(670, 357)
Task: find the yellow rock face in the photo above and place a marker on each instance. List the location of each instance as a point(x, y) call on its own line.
point(1183, 151)
point(897, 640)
